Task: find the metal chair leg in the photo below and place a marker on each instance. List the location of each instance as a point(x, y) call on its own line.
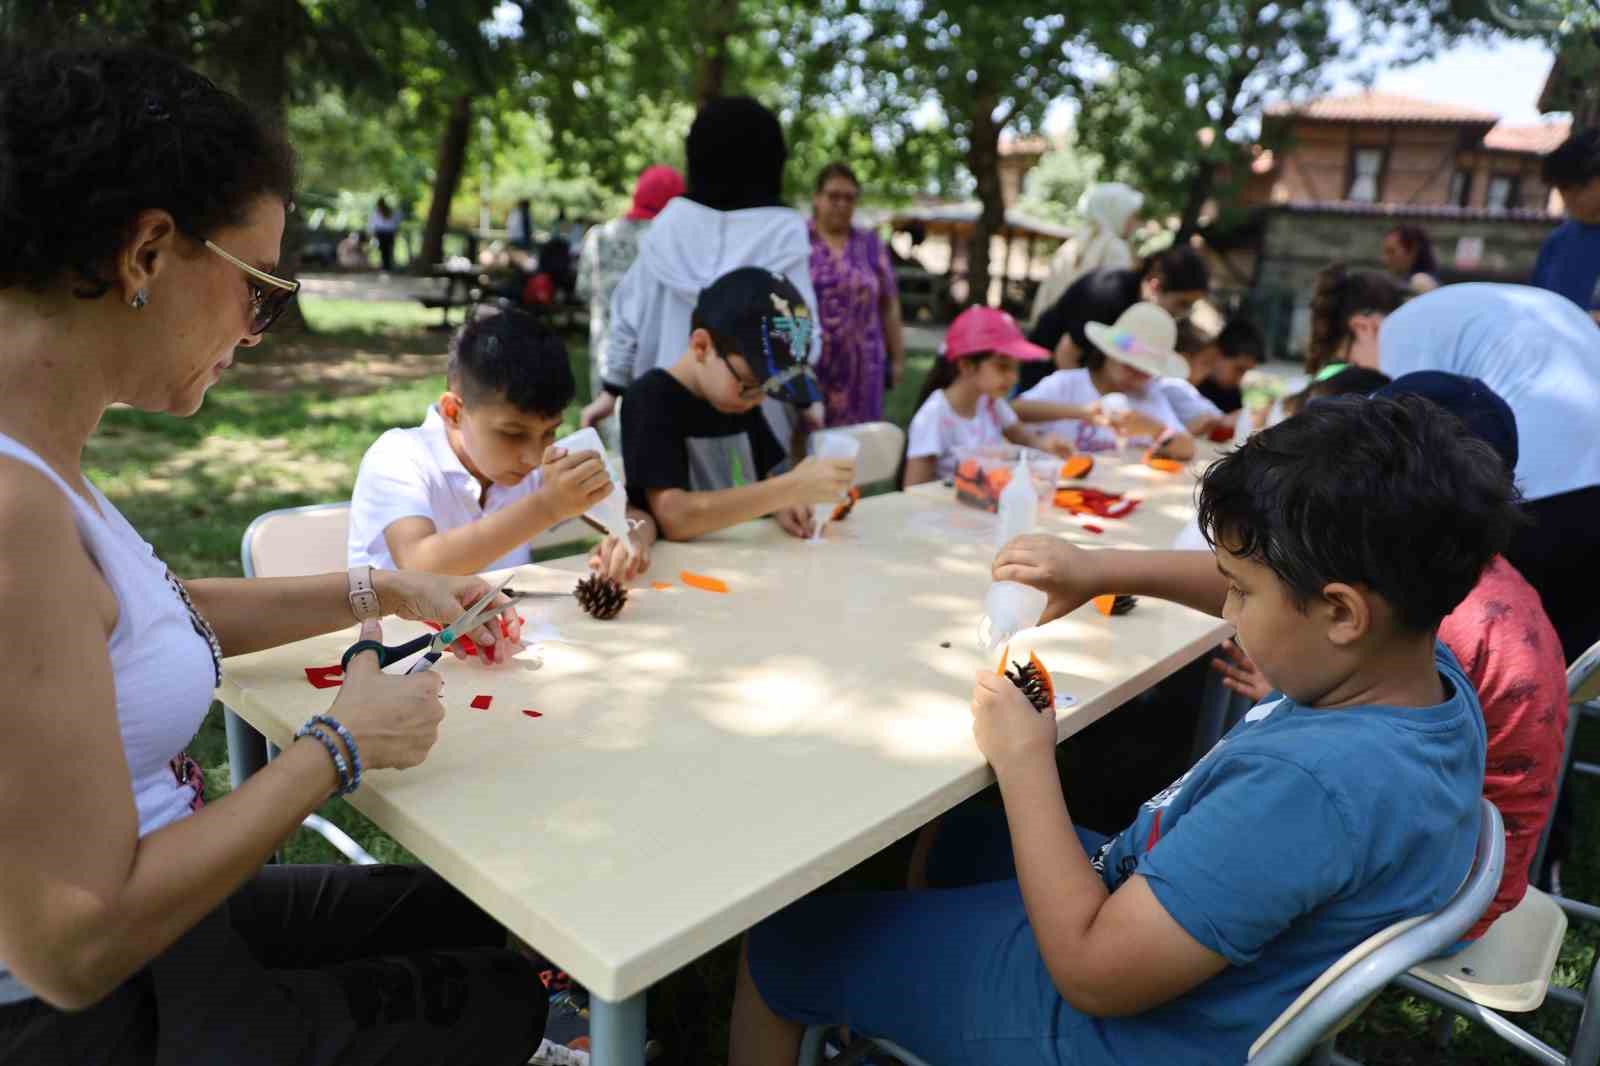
point(247, 749)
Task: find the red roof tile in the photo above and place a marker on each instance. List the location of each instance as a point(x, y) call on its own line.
point(1383, 107)
point(1536, 139)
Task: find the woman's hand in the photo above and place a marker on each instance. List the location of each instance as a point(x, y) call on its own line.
point(432, 598)
point(1009, 731)
point(1069, 576)
point(1057, 446)
point(393, 718)
point(1240, 672)
point(796, 521)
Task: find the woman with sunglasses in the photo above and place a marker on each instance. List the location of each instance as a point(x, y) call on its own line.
point(136, 924)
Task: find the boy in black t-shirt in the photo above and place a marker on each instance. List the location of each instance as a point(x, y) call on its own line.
point(699, 454)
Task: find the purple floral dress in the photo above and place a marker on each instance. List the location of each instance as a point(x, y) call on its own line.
point(850, 288)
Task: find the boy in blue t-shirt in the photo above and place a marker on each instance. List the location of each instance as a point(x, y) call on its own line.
point(1345, 802)
point(1569, 259)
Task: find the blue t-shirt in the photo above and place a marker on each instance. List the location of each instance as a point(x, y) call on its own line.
point(1302, 833)
point(1569, 263)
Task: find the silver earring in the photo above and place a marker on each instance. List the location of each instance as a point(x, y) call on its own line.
point(140, 298)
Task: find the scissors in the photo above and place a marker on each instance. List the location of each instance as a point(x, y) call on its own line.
point(433, 645)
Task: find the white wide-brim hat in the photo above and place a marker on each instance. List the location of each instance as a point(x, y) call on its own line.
point(1145, 337)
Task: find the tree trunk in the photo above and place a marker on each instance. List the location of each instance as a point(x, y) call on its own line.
point(1204, 182)
point(447, 176)
point(255, 52)
point(711, 70)
point(983, 160)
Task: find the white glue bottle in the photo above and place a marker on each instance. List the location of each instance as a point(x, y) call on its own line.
point(611, 513)
point(1010, 607)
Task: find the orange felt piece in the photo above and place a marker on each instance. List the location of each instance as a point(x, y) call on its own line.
point(1170, 466)
point(1000, 667)
point(1103, 604)
point(702, 582)
point(1044, 677)
point(842, 511)
point(661, 586)
point(1077, 466)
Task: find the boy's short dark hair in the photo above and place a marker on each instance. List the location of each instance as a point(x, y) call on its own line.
point(1575, 160)
point(1180, 268)
point(1191, 339)
point(511, 356)
point(1351, 381)
point(1394, 495)
point(1240, 339)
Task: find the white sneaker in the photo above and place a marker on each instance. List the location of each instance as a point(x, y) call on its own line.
point(553, 1054)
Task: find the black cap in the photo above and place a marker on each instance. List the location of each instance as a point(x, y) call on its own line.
point(1487, 416)
point(766, 321)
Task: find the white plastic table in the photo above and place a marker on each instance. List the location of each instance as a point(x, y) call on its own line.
point(705, 759)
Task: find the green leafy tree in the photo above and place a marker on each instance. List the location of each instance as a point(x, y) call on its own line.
point(1052, 188)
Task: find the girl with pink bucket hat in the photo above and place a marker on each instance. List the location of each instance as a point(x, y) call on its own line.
point(963, 399)
point(1112, 398)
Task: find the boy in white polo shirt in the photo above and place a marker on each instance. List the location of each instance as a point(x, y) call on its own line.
point(469, 488)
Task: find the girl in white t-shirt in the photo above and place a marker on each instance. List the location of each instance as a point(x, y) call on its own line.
point(963, 401)
point(1130, 356)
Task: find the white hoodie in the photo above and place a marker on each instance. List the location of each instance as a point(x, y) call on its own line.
point(687, 248)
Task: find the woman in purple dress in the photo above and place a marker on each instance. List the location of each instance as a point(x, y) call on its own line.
point(858, 306)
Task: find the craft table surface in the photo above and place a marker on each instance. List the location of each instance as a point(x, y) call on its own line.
point(705, 759)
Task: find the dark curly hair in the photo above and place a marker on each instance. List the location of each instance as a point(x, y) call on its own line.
point(512, 356)
point(1392, 494)
point(1575, 160)
point(1340, 294)
point(90, 137)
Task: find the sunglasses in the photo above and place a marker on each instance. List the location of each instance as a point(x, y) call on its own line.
point(269, 294)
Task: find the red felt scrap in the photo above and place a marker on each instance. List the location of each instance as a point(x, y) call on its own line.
point(467, 643)
point(533, 714)
point(481, 703)
point(325, 676)
point(1095, 502)
point(1093, 529)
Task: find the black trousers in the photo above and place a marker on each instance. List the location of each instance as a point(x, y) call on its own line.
point(386, 249)
point(1559, 553)
point(312, 966)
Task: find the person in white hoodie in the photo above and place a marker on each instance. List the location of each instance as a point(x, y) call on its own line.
point(731, 216)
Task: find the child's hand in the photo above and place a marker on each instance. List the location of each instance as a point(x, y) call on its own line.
point(1240, 672)
point(1137, 424)
point(821, 480)
point(612, 559)
point(576, 481)
point(796, 521)
point(1068, 575)
point(597, 411)
point(1058, 446)
point(1010, 733)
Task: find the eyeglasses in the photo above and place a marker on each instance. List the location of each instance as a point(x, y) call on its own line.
point(747, 391)
point(269, 294)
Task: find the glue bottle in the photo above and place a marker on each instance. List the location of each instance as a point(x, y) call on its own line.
point(611, 513)
point(1010, 607)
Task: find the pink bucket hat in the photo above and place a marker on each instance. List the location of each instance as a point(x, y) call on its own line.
point(984, 329)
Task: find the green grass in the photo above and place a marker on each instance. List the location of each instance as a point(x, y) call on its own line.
point(290, 428)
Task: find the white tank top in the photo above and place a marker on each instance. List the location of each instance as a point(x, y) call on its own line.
point(164, 659)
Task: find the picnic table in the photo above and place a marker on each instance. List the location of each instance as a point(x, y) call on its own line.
point(652, 786)
point(460, 290)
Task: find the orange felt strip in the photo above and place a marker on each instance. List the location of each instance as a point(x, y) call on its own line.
point(1103, 604)
point(1171, 466)
point(701, 582)
point(661, 586)
point(1000, 667)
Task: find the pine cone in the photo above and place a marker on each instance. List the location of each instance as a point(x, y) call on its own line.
point(601, 596)
point(1027, 677)
point(1124, 604)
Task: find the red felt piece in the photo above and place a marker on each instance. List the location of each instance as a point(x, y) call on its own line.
point(481, 703)
point(533, 714)
point(1093, 529)
point(325, 676)
point(467, 644)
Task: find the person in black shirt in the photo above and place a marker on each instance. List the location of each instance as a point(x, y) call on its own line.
point(698, 452)
point(1228, 357)
point(1176, 279)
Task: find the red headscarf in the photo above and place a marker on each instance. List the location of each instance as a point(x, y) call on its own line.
point(657, 185)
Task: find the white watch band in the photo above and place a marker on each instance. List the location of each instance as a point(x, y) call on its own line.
point(363, 595)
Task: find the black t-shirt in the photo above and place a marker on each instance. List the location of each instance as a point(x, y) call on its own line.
point(1225, 398)
point(672, 439)
point(1098, 296)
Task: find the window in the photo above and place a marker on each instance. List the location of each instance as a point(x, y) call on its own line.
point(1503, 192)
point(1461, 188)
point(1366, 174)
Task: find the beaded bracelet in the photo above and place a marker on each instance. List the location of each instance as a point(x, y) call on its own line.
point(350, 745)
point(339, 765)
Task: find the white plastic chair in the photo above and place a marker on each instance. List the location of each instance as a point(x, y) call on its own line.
point(1334, 1000)
point(295, 541)
point(882, 444)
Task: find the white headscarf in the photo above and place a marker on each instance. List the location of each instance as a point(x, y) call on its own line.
point(1106, 208)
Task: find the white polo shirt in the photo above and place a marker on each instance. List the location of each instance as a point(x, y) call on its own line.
point(414, 472)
